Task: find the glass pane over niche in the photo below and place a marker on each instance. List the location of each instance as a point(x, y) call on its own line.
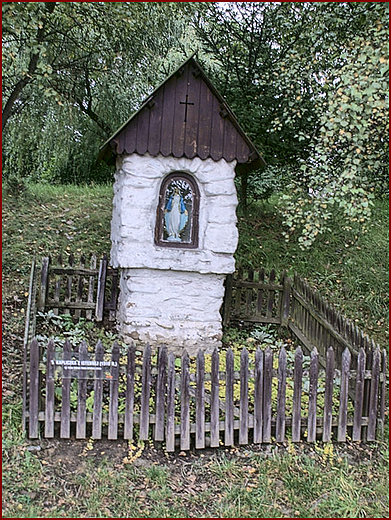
point(177, 216)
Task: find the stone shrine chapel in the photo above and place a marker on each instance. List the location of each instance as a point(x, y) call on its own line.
point(173, 227)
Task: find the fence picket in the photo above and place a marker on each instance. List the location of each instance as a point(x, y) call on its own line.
point(258, 396)
point(359, 395)
point(267, 394)
point(260, 291)
point(81, 395)
point(113, 403)
point(34, 389)
point(185, 402)
point(80, 285)
point(271, 295)
point(243, 418)
point(200, 401)
point(343, 397)
point(383, 392)
point(214, 403)
point(170, 423)
point(281, 396)
point(65, 395)
point(312, 397)
point(249, 291)
point(100, 296)
point(238, 293)
point(44, 283)
point(160, 393)
point(373, 399)
point(49, 403)
point(98, 396)
point(91, 286)
point(57, 286)
point(229, 398)
point(328, 395)
point(297, 387)
point(129, 404)
point(68, 297)
point(145, 393)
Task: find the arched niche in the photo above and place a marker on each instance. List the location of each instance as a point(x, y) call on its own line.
point(177, 218)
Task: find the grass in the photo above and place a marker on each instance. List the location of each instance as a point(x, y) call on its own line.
point(83, 479)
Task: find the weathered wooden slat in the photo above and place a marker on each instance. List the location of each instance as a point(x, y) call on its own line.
point(100, 296)
point(243, 417)
point(34, 390)
point(80, 285)
point(382, 392)
point(227, 300)
point(238, 292)
point(285, 300)
point(49, 401)
point(82, 395)
point(160, 398)
point(258, 396)
point(98, 396)
point(145, 394)
point(343, 396)
point(229, 398)
point(28, 334)
point(185, 402)
point(65, 394)
point(281, 396)
point(267, 394)
point(271, 295)
point(249, 293)
point(91, 286)
point(70, 305)
point(373, 399)
point(328, 396)
point(261, 277)
point(113, 295)
point(57, 286)
point(200, 402)
point(359, 395)
point(68, 297)
point(129, 395)
point(297, 387)
point(313, 390)
point(170, 424)
point(114, 383)
point(214, 403)
point(43, 292)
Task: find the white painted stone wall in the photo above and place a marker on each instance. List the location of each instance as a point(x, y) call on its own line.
point(166, 294)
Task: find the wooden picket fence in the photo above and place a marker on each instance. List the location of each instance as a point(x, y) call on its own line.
point(168, 398)
point(352, 363)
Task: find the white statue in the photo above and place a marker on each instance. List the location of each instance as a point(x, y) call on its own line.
point(176, 216)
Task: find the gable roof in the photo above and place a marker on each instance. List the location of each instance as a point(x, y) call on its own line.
point(185, 116)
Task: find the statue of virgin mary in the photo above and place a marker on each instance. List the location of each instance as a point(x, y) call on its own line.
point(176, 216)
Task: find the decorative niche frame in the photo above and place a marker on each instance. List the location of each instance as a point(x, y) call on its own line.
point(177, 216)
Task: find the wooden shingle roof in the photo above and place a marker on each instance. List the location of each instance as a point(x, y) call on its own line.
point(185, 117)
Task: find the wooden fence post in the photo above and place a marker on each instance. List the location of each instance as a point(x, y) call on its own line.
point(82, 395)
point(200, 401)
point(373, 399)
point(170, 424)
point(258, 396)
point(160, 393)
point(227, 300)
point(34, 389)
point(298, 381)
point(114, 383)
point(267, 394)
point(129, 405)
point(145, 393)
point(285, 300)
point(185, 402)
point(65, 431)
point(229, 398)
point(100, 296)
point(49, 405)
point(281, 396)
point(98, 396)
point(44, 283)
point(343, 399)
point(313, 391)
point(214, 403)
point(328, 395)
point(359, 395)
point(243, 418)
